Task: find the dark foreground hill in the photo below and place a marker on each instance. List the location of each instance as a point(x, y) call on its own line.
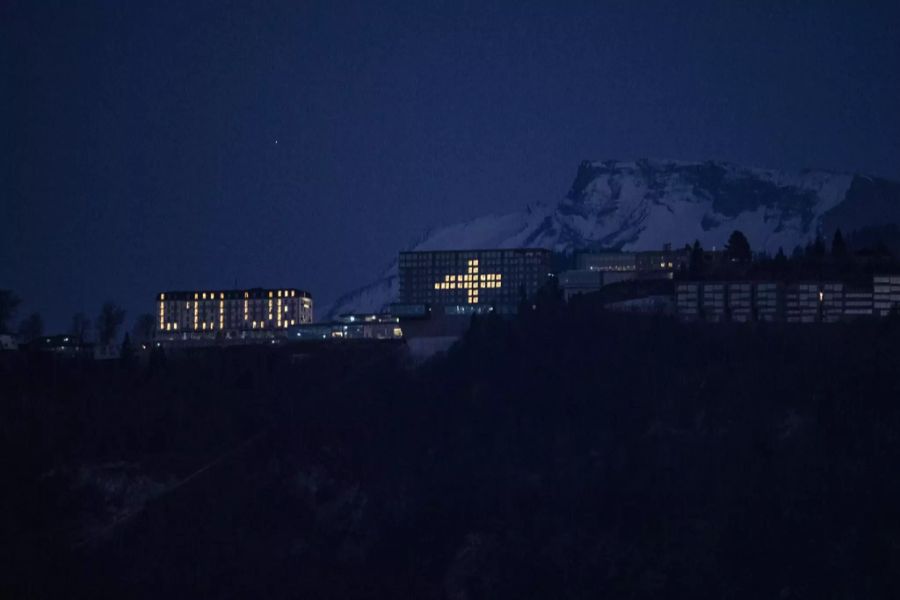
point(569, 454)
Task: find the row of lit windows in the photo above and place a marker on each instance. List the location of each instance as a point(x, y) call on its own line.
point(212, 295)
point(466, 285)
point(473, 277)
point(279, 325)
point(187, 305)
point(211, 326)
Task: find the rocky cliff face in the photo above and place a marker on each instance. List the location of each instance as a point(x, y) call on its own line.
point(644, 204)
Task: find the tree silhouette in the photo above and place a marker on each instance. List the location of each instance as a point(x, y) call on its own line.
point(80, 327)
point(838, 245)
point(31, 327)
point(9, 303)
point(144, 327)
point(738, 248)
point(818, 247)
point(781, 261)
point(696, 259)
point(108, 322)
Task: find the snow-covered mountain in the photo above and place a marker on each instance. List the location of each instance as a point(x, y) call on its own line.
point(644, 204)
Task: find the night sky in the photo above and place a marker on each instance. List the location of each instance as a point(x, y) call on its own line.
point(149, 146)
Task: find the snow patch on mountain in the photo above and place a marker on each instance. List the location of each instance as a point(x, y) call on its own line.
point(642, 205)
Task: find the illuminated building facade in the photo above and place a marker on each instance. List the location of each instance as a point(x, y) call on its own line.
point(230, 314)
point(350, 327)
point(472, 281)
point(594, 270)
point(771, 301)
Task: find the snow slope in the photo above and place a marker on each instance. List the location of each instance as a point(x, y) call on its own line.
point(641, 205)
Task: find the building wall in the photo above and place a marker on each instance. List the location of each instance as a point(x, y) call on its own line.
point(230, 313)
point(468, 280)
point(584, 281)
point(607, 261)
point(768, 298)
point(886, 294)
point(800, 302)
point(643, 262)
point(387, 328)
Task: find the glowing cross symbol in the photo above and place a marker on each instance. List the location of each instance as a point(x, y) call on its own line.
point(471, 281)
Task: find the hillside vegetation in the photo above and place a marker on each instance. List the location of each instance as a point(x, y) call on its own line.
point(570, 453)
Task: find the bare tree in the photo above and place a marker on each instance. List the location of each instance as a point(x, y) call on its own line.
point(80, 328)
point(9, 303)
point(108, 323)
point(31, 328)
point(144, 327)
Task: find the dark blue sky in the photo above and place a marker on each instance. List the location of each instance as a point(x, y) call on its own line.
point(138, 149)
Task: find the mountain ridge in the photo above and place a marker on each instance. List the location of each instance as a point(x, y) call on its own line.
point(645, 203)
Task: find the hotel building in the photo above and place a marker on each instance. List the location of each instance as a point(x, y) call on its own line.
point(472, 281)
point(595, 270)
point(794, 302)
point(230, 314)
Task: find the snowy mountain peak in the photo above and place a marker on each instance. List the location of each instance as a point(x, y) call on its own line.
point(643, 204)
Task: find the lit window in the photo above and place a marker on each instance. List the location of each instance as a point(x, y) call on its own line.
point(437, 286)
point(204, 325)
point(254, 324)
point(246, 294)
point(293, 293)
point(279, 293)
point(175, 326)
point(292, 321)
point(195, 296)
point(270, 294)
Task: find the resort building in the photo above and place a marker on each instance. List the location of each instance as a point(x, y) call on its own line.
point(594, 270)
point(349, 327)
point(465, 282)
point(230, 314)
point(795, 302)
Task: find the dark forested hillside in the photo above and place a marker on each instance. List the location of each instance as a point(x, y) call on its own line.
point(568, 454)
